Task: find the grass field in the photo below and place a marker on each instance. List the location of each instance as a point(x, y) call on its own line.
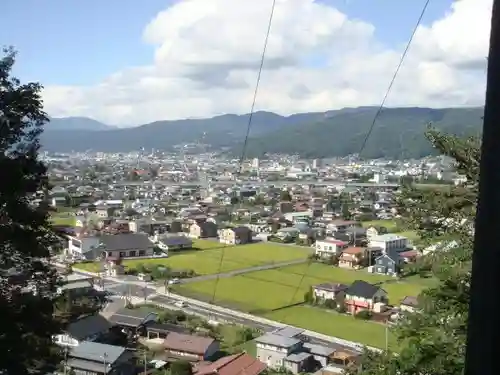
point(208, 261)
point(391, 225)
point(62, 218)
point(334, 324)
point(276, 288)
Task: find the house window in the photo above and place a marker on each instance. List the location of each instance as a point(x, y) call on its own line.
point(133, 253)
point(142, 253)
point(379, 261)
point(123, 254)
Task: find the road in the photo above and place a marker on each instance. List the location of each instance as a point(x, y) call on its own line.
point(142, 292)
point(241, 271)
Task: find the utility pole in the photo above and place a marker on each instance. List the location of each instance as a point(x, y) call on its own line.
point(145, 362)
point(482, 332)
point(104, 361)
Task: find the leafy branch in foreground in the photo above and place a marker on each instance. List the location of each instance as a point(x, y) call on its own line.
point(28, 322)
point(432, 341)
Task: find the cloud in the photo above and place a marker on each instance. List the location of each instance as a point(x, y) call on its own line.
point(208, 53)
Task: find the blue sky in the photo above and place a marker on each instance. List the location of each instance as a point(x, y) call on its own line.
point(80, 42)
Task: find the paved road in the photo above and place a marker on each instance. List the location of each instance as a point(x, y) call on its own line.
point(219, 316)
point(241, 271)
point(139, 289)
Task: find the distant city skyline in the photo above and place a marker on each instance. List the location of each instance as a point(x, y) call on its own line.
point(122, 63)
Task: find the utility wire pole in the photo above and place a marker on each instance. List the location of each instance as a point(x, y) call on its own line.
point(482, 351)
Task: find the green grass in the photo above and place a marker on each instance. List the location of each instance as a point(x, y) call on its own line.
point(334, 324)
point(277, 288)
point(410, 234)
point(206, 262)
point(63, 218)
point(391, 225)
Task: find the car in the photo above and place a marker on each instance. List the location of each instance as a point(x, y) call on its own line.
point(180, 304)
point(174, 281)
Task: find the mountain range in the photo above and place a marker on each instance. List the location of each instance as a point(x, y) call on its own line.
point(398, 132)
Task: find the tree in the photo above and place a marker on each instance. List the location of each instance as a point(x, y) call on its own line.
point(433, 341)
point(285, 196)
point(28, 322)
point(181, 368)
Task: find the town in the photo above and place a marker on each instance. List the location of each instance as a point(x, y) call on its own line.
point(282, 265)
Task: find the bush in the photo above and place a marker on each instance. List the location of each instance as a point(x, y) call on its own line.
point(363, 315)
point(341, 309)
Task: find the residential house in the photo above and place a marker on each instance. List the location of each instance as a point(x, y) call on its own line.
point(352, 257)
point(409, 256)
point(173, 242)
point(190, 347)
point(330, 291)
point(272, 349)
point(363, 296)
point(329, 247)
point(387, 264)
point(236, 364)
point(88, 328)
point(126, 245)
point(205, 229)
point(297, 363)
point(373, 231)
point(235, 236)
point(321, 354)
point(389, 242)
point(91, 358)
point(156, 330)
point(409, 303)
point(295, 217)
point(76, 284)
point(341, 225)
point(83, 245)
point(133, 321)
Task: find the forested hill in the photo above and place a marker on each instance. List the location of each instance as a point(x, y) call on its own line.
point(398, 133)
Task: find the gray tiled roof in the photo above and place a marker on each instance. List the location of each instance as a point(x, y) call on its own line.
point(126, 241)
point(318, 349)
point(88, 326)
point(297, 357)
point(97, 352)
point(277, 340)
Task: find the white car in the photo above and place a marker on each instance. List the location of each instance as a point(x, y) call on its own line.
point(180, 304)
point(173, 281)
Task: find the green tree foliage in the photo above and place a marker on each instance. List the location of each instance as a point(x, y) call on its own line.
point(285, 196)
point(181, 368)
point(28, 322)
point(433, 341)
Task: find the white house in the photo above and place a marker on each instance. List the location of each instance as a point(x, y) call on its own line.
point(299, 216)
point(389, 242)
point(82, 246)
point(329, 247)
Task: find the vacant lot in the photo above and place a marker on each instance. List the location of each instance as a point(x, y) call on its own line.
point(277, 288)
point(219, 258)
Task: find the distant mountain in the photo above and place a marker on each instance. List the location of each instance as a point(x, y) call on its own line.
point(398, 132)
point(219, 131)
point(75, 123)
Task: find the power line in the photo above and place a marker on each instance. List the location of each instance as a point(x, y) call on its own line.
point(377, 114)
point(252, 109)
point(394, 76)
point(250, 117)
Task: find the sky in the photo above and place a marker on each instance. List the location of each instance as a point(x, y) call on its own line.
point(125, 62)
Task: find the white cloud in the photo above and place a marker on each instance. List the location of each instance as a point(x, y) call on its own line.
point(208, 53)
